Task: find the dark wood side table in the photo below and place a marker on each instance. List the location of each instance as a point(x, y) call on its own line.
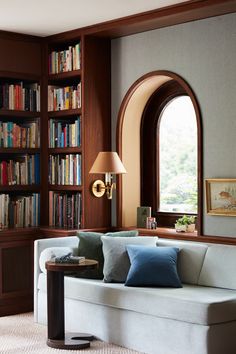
point(55, 298)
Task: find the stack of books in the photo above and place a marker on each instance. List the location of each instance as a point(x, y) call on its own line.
point(65, 60)
point(63, 134)
point(19, 211)
point(20, 96)
point(25, 135)
point(61, 98)
point(21, 170)
point(65, 210)
point(65, 169)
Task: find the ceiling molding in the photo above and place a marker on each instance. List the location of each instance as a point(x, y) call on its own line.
point(146, 21)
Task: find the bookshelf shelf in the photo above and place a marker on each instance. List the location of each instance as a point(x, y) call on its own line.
point(75, 74)
point(20, 188)
point(20, 114)
point(65, 150)
point(66, 188)
point(21, 151)
point(11, 75)
point(64, 113)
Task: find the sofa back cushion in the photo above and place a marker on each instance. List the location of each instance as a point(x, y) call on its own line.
point(219, 267)
point(116, 259)
point(190, 258)
point(90, 246)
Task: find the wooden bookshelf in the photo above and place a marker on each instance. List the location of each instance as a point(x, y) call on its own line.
point(65, 113)
point(18, 114)
point(65, 188)
point(20, 188)
point(20, 62)
point(95, 119)
point(65, 150)
point(64, 76)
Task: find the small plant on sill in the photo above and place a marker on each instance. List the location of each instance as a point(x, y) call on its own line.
point(185, 224)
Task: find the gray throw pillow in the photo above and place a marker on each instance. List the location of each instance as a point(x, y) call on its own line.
point(116, 259)
point(90, 246)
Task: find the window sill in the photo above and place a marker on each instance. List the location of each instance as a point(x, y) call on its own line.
point(169, 233)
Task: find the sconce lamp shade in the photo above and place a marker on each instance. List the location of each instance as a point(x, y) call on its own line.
point(108, 162)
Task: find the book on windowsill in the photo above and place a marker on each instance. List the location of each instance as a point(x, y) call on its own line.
point(142, 213)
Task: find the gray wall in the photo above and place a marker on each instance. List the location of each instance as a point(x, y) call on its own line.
point(204, 54)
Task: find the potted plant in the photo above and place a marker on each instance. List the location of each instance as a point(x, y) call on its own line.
point(185, 224)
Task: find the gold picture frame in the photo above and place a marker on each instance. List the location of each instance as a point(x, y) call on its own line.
point(221, 196)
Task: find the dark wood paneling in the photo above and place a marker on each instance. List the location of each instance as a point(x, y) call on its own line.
point(20, 56)
point(96, 105)
point(16, 269)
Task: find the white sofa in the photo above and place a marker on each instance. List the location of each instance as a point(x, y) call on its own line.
point(199, 318)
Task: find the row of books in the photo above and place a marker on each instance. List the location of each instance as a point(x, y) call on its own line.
point(60, 98)
point(19, 211)
point(65, 209)
point(64, 134)
point(65, 60)
point(25, 135)
point(20, 96)
point(65, 169)
point(21, 170)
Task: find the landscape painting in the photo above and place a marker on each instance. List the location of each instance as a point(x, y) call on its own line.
point(221, 196)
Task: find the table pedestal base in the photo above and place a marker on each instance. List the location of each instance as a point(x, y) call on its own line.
point(71, 341)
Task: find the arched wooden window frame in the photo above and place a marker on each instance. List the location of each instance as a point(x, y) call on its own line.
point(150, 171)
point(119, 133)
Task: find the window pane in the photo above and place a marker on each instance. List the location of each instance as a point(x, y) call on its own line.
point(178, 157)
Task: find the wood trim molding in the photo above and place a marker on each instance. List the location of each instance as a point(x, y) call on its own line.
point(149, 20)
point(20, 37)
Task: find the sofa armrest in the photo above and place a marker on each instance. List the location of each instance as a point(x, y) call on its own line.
point(39, 246)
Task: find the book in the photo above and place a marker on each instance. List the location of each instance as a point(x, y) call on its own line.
point(142, 213)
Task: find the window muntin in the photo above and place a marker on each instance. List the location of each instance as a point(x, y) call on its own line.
point(177, 157)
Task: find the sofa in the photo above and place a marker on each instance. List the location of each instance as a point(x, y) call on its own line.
point(199, 318)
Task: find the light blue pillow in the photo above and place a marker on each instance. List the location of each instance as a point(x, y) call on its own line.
point(153, 266)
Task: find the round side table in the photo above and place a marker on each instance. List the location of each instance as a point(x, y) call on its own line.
point(56, 313)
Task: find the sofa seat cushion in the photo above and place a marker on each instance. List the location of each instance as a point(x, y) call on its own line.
point(192, 303)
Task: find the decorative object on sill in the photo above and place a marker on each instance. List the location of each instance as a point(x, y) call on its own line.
point(108, 163)
point(142, 213)
point(185, 224)
point(221, 196)
point(151, 222)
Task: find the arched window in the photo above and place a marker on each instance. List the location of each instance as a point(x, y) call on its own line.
point(169, 161)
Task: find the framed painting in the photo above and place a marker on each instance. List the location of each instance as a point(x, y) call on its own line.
point(221, 196)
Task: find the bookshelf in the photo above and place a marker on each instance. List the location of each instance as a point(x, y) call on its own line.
point(65, 129)
point(29, 67)
point(19, 150)
point(93, 78)
point(20, 117)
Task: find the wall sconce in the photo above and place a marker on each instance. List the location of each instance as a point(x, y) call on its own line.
point(108, 163)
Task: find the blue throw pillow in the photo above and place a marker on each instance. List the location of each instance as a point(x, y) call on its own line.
point(153, 266)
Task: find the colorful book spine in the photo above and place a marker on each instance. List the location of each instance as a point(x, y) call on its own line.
point(65, 170)
point(23, 170)
point(63, 134)
point(62, 98)
point(19, 211)
point(65, 60)
point(20, 96)
point(25, 135)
